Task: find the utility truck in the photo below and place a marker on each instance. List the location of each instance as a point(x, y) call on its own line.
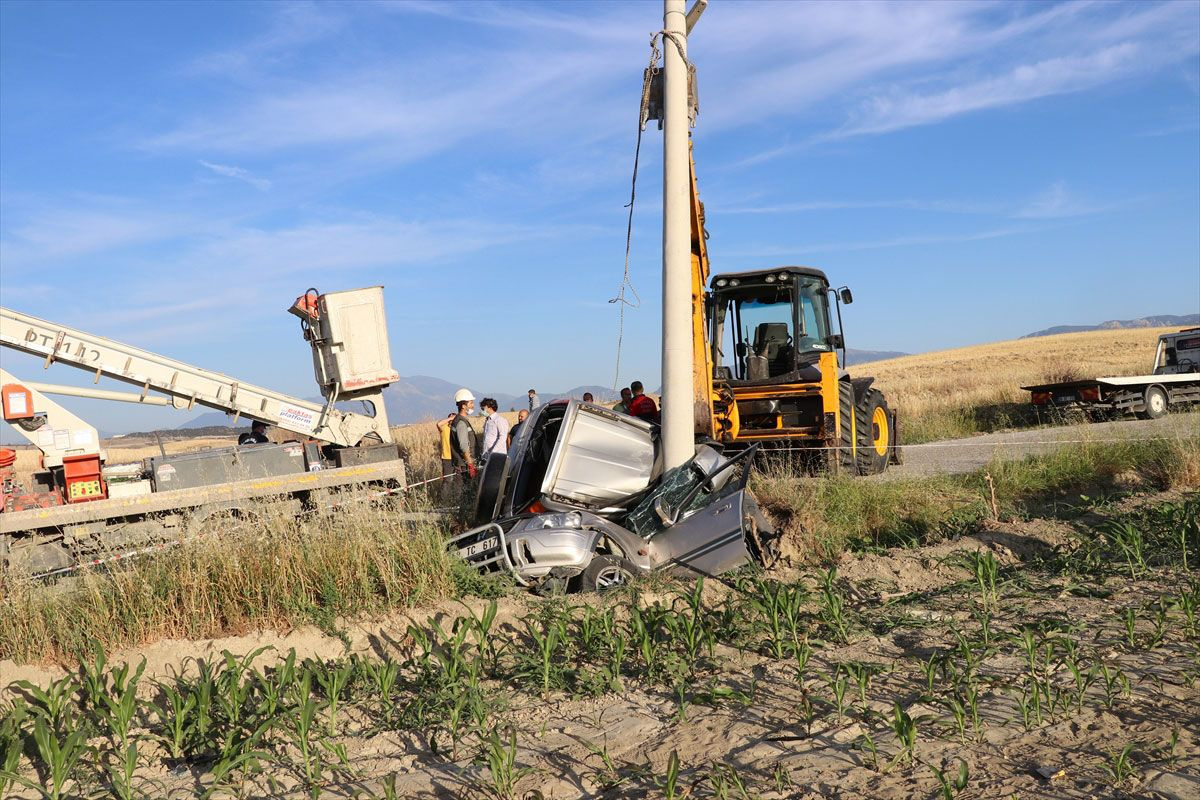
point(79, 508)
point(1174, 380)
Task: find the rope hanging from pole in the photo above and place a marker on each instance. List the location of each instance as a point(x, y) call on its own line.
point(626, 284)
point(648, 79)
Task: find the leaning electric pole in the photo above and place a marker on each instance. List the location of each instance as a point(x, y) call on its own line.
point(678, 437)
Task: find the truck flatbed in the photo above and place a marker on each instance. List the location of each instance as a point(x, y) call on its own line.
point(121, 508)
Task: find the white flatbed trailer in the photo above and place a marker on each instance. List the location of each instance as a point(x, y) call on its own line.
point(1175, 381)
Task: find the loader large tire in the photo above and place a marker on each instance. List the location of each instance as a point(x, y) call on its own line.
point(874, 429)
point(841, 459)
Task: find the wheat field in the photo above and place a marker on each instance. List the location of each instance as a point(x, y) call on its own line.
point(970, 389)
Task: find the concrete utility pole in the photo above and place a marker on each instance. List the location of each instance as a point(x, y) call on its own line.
point(677, 426)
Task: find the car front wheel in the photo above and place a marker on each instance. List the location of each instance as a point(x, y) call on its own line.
point(607, 572)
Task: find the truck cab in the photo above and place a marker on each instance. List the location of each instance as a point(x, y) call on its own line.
point(1178, 353)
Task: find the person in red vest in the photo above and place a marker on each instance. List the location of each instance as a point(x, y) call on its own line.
point(642, 406)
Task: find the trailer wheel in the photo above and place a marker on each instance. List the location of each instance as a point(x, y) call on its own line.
point(874, 429)
point(605, 573)
point(1154, 403)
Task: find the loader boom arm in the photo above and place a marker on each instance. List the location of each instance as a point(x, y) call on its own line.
point(702, 368)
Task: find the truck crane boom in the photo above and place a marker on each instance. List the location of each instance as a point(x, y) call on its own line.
point(347, 332)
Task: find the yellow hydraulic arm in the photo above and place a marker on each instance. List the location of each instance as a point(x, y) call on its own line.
point(702, 369)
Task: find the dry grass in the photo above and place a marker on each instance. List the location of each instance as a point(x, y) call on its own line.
point(971, 389)
point(284, 572)
point(823, 516)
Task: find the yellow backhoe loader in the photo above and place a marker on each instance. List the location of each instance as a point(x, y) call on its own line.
point(767, 366)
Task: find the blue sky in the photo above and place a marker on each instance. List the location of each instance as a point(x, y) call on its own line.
point(173, 174)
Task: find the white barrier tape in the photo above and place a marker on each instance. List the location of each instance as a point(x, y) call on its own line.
point(987, 444)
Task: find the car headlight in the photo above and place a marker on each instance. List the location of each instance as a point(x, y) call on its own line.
point(566, 519)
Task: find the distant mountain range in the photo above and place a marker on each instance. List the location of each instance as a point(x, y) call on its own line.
point(1160, 321)
point(423, 397)
point(865, 356)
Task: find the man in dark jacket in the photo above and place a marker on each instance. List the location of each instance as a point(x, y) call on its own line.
point(464, 447)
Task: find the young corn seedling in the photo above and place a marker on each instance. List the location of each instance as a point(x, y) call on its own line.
point(1129, 540)
point(503, 772)
point(837, 687)
point(544, 663)
point(958, 710)
point(271, 686)
point(12, 742)
point(668, 784)
point(952, 786)
point(60, 755)
point(1119, 765)
point(833, 607)
point(1129, 616)
point(300, 727)
point(862, 674)
point(120, 703)
point(782, 777)
point(55, 704)
point(1187, 602)
point(866, 743)
point(905, 729)
point(985, 570)
point(727, 784)
point(1114, 682)
point(333, 678)
point(780, 606)
point(121, 774)
point(381, 677)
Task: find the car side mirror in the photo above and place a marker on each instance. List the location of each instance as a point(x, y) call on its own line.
point(666, 514)
point(846, 295)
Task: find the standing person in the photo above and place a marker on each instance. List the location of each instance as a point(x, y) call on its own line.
point(443, 427)
point(464, 444)
point(623, 406)
point(522, 415)
point(642, 406)
point(257, 434)
point(495, 429)
point(587, 397)
point(534, 402)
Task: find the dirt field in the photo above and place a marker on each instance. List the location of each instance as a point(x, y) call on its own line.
point(1040, 658)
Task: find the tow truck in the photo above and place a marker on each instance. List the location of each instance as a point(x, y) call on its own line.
point(78, 507)
point(1174, 380)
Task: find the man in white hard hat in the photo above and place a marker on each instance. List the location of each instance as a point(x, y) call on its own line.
point(464, 447)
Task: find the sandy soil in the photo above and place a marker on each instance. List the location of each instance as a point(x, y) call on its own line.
point(907, 606)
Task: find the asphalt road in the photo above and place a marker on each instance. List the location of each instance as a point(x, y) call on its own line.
point(967, 455)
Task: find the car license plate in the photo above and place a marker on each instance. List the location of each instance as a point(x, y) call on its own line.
point(1063, 399)
point(479, 547)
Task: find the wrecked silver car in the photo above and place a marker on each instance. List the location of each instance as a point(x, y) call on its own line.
point(581, 502)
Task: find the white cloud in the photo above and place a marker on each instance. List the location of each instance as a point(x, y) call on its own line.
point(1057, 202)
point(238, 173)
point(884, 113)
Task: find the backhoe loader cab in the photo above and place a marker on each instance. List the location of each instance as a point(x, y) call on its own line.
point(777, 379)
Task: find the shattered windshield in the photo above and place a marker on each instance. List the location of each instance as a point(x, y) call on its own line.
point(678, 483)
